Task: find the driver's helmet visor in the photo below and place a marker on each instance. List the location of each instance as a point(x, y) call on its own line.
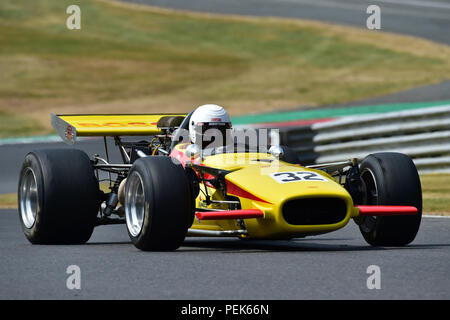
point(212, 134)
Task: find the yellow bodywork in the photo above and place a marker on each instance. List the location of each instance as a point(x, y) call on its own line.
point(71, 126)
point(251, 172)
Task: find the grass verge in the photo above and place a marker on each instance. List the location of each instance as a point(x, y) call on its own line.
point(8, 201)
point(14, 125)
point(435, 194)
point(129, 58)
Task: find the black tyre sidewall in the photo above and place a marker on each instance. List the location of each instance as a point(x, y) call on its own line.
point(168, 204)
point(398, 183)
point(68, 196)
point(37, 233)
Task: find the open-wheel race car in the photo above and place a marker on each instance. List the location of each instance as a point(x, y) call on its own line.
point(167, 188)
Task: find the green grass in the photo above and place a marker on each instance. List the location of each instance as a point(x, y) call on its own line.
point(18, 126)
point(131, 59)
point(436, 193)
point(8, 201)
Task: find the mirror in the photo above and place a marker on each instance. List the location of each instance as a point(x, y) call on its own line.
point(276, 151)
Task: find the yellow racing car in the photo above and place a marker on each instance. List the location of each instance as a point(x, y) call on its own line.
point(166, 188)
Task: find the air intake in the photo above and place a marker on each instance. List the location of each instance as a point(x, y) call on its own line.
point(314, 211)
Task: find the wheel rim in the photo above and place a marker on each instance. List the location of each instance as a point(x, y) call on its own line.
point(135, 204)
point(28, 196)
point(368, 177)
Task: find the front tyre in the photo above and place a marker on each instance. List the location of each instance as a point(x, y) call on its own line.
point(390, 179)
point(58, 197)
point(158, 207)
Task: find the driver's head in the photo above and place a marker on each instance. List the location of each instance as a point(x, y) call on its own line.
point(209, 126)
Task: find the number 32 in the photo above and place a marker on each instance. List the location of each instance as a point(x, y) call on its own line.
point(292, 176)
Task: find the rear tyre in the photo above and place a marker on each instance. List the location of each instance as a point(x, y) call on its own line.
point(390, 179)
point(158, 207)
point(58, 197)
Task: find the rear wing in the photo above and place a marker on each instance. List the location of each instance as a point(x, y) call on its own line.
point(71, 126)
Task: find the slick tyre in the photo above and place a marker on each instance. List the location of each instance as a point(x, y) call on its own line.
point(158, 207)
point(390, 179)
point(58, 197)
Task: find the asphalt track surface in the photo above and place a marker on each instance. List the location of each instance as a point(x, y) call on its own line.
point(331, 266)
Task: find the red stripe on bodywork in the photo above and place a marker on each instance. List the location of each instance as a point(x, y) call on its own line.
point(386, 210)
point(180, 155)
point(238, 191)
point(232, 214)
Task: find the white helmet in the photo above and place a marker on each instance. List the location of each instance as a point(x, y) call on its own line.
point(208, 116)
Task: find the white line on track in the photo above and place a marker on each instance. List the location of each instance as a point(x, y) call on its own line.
point(29, 140)
point(432, 216)
point(32, 140)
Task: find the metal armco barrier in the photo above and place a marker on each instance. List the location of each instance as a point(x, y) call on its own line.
point(423, 134)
